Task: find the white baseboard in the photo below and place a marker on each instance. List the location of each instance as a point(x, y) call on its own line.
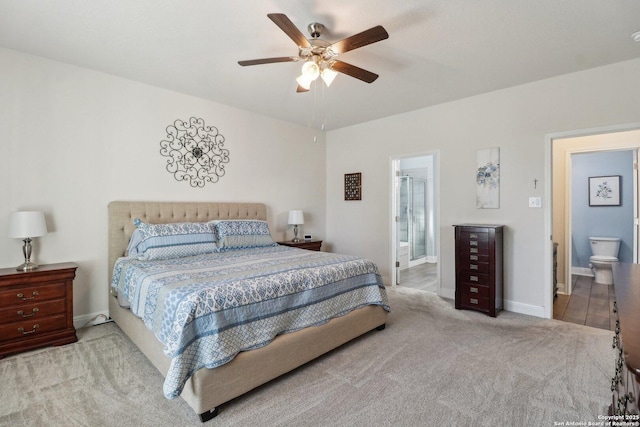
point(582, 271)
point(91, 319)
point(447, 293)
point(528, 309)
point(562, 288)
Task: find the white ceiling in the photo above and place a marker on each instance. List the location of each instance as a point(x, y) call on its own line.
point(437, 51)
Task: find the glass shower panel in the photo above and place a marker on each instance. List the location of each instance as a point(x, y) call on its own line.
point(418, 219)
point(403, 214)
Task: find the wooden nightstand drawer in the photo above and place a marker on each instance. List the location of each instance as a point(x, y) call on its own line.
point(35, 293)
point(312, 245)
point(32, 311)
point(32, 327)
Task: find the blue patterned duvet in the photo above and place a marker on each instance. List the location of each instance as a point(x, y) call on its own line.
point(205, 309)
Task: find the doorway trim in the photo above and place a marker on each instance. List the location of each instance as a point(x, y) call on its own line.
point(548, 190)
point(393, 161)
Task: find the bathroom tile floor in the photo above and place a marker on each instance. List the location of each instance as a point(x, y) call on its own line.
point(423, 277)
point(589, 304)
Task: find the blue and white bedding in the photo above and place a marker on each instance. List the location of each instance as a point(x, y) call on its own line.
point(207, 308)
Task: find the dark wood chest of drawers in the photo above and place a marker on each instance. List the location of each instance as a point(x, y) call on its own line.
point(36, 308)
point(479, 267)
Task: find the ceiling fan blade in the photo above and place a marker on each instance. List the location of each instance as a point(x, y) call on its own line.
point(353, 71)
point(289, 28)
point(268, 60)
point(372, 35)
point(301, 89)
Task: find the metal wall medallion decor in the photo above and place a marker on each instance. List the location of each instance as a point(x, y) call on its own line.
point(353, 186)
point(195, 152)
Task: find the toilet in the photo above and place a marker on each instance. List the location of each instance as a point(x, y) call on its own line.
point(604, 252)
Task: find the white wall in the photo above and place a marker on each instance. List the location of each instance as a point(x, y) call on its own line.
point(74, 139)
point(516, 120)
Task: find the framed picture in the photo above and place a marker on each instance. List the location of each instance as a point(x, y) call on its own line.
point(353, 186)
point(604, 190)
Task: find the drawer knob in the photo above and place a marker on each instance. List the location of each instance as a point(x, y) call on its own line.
point(32, 331)
point(473, 250)
point(473, 300)
point(473, 266)
point(473, 235)
point(33, 312)
point(33, 295)
point(473, 257)
point(473, 278)
point(473, 290)
point(473, 243)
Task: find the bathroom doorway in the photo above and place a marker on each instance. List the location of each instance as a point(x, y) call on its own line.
point(415, 222)
point(576, 158)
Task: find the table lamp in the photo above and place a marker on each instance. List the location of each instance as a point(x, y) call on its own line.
point(25, 225)
point(296, 218)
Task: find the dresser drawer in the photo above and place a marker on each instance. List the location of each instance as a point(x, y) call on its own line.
point(473, 278)
point(472, 301)
point(474, 257)
point(475, 267)
point(32, 293)
point(32, 311)
point(31, 328)
point(474, 291)
point(480, 236)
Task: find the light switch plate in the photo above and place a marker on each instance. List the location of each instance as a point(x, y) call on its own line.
point(535, 202)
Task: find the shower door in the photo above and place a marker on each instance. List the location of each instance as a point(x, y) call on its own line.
point(412, 216)
point(418, 244)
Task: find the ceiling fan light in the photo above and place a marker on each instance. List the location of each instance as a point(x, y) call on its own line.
point(304, 81)
point(310, 70)
point(328, 75)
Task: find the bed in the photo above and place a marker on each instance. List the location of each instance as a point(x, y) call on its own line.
point(207, 389)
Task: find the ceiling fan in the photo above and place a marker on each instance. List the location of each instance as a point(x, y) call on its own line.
point(319, 56)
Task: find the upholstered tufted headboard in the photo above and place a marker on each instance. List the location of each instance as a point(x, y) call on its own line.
point(121, 215)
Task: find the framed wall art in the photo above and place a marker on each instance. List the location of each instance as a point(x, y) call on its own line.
point(353, 186)
point(604, 190)
point(488, 178)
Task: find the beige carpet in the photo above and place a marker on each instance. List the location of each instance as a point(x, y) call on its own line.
point(433, 365)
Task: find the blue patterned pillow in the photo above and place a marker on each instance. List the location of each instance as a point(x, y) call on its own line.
point(239, 234)
point(175, 240)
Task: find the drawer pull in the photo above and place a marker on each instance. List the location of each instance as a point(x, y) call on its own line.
point(473, 236)
point(32, 331)
point(473, 250)
point(33, 312)
point(473, 301)
point(473, 257)
point(473, 278)
point(473, 266)
point(473, 243)
point(33, 295)
point(473, 290)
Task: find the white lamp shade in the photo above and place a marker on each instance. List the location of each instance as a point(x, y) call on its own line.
point(27, 224)
point(328, 75)
point(296, 217)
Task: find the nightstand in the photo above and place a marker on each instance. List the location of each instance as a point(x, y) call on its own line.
point(312, 245)
point(36, 307)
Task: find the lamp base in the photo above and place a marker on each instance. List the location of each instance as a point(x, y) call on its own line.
point(27, 266)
